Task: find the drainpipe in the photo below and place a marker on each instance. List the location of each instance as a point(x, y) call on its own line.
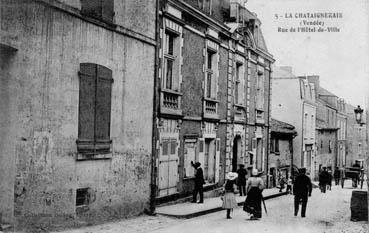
point(268, 128)
point(154, 116)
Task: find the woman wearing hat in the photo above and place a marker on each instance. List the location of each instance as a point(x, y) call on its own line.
point(229, 199)
point(255, 186)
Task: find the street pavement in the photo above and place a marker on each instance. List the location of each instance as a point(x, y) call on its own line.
point(326, 213)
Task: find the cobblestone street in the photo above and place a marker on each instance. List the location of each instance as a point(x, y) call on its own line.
point(329, 213)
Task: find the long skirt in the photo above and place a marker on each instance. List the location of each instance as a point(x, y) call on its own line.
point(252, 203)
point(229, 201)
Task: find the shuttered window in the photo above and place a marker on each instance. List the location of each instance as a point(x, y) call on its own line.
point(94, 109)
point(100, 9)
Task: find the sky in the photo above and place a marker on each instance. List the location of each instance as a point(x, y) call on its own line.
point(341, 59)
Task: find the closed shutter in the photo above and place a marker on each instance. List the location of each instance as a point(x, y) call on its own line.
point(202, 151)
point(108, 10)
point(86, 116)
point(92, 8)
point(217, 160)
point(101, 9)
point(103, 107)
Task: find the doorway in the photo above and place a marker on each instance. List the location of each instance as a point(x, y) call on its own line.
point(236, 152)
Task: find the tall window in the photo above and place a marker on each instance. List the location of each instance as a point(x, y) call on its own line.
point(210, 75)
point(100, 9)
point(95, 89)
point(238, 84)
point(260, 89)
point(205, 5)
point(170, 61)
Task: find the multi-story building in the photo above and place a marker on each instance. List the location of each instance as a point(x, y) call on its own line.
point(281, 150)
point(326, 128)
point(76, 100)
point(341, 132)
point(296, 107)
point(213, 61)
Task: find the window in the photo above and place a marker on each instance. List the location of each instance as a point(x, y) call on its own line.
point(239, 84)
point(211, 65)
point(205, 5)
point(260, 88)
point(329, 147)
point(95, 87)
point(100, 9)
point(170, 62)
point(275, 146)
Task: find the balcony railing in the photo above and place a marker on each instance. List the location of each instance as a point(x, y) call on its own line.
point(171, 102)
point(211, 108)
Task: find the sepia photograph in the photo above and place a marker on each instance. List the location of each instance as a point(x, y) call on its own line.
point(184, 116)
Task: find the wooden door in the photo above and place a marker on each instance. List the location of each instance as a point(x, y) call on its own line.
point(168, 167)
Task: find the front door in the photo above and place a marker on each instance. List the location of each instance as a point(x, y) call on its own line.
point(209, 160)
point(168, 167)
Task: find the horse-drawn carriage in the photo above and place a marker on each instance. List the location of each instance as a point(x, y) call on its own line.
point(355, 173)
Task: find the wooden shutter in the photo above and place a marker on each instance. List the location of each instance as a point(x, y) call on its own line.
point(92, 8)
point(101, 9)
point(217, 159)
point(108, 10)
point(86, 114)
point(202, 151)
point(103, 103)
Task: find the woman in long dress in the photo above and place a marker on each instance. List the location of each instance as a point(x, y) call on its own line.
point(255, 186)
point(229, 199)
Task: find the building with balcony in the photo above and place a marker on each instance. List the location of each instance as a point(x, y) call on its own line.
point(297, 107)
point(76, 100)
point(207, 76)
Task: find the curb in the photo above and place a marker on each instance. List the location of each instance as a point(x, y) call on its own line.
point(216, 209)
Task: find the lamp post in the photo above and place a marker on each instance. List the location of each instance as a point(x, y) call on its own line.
point(358, 114)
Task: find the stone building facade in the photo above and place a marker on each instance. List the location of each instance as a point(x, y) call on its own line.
point(77, 81)
point(210, 69)
point(297, 107)
point(281, 150)
point(341, 133)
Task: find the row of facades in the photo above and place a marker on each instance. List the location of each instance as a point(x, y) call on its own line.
point(104, 104)
point(327, 131)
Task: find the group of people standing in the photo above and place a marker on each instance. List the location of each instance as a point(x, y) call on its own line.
point(252, 188)
point(325, 180)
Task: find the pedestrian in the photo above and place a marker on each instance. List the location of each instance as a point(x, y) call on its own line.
point(282, 182)
point(289, 185)
point(241, 180)
point(302, 188)
point(336, 175)
point(329, 180)
point(199, 182)
point(254, 188)
point(323, 180)
point(229, 199)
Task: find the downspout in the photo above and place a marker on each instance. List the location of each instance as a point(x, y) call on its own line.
point(155, 115)
point(268, 127)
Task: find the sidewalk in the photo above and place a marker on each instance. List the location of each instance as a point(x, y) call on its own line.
point(210, 205)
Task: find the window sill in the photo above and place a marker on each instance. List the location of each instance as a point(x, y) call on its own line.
point(98, 156)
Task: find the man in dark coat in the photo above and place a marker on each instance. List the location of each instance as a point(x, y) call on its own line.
point(302, 189)
point(199, 182)
point(337, 175)
point(241, 180)
point(323, 179)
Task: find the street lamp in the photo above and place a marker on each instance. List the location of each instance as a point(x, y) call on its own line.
point(358, 114)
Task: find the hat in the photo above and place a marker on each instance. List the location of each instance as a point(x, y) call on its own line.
point(231, 176)
point(255, 172)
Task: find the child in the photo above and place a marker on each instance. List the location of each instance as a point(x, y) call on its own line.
point(229, 199)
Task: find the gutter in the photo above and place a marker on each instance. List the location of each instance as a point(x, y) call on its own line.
point(154, 116)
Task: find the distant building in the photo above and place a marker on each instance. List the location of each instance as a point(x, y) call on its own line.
point(341, 133)
point(326, 128)
point(281, 150)
point(297, 107)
